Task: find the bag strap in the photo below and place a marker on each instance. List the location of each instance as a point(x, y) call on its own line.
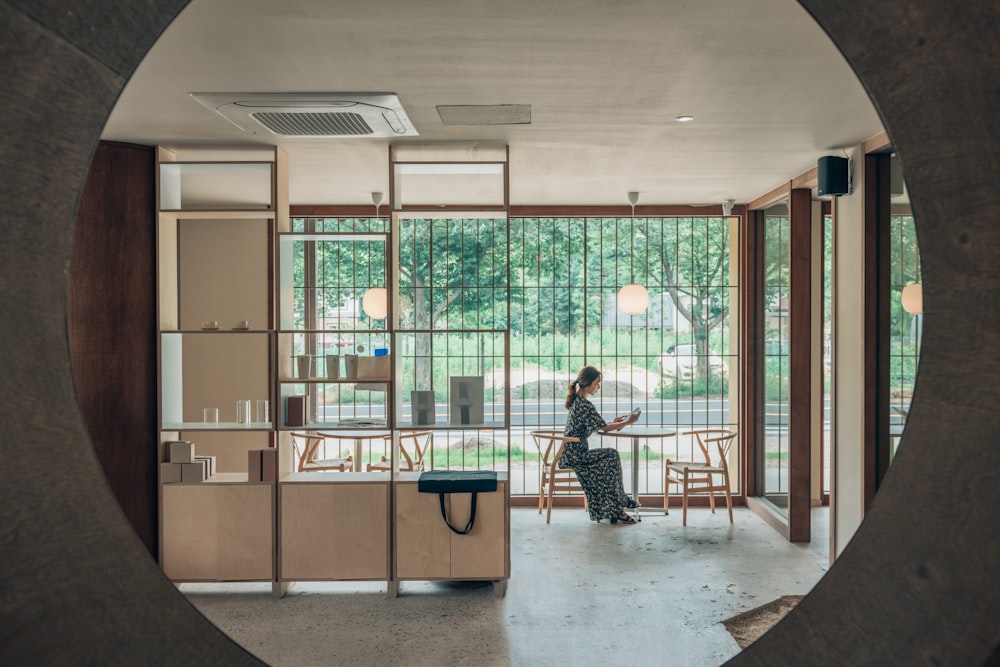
point(472, 515)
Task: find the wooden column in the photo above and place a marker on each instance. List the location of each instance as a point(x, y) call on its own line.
point(111, 325)
point(800, 366)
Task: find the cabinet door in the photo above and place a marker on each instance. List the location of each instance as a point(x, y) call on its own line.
point(218, 532)
point(423, 541)
point(482, 554)
point(334, 531)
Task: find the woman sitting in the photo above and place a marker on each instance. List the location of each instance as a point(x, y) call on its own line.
point(599, 470)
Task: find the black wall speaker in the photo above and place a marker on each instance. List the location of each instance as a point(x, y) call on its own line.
point(831, 176)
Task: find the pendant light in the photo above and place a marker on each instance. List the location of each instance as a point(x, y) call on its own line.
point(913, 299)
point(375, 301)
point(633, 298)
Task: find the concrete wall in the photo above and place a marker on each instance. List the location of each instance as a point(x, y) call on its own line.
point(915, 585)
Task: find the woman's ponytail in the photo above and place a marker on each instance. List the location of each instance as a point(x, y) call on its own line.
point(571, 394)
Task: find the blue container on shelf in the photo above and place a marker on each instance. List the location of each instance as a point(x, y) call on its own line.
point(381, 351)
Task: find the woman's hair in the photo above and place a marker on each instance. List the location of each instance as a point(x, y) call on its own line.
point(586, 377)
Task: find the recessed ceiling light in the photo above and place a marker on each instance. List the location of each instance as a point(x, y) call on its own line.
point(684, 119)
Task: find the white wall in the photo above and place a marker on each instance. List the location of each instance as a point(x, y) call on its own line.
point(847, 492)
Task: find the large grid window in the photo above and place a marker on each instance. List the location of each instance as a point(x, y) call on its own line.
point(675, 361)
point(777, 292)
point(453, 307)
point(553, 282)
point(905, 326)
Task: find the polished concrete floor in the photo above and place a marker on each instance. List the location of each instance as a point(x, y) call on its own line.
point(580, 593)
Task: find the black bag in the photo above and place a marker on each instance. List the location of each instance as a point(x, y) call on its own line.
point(457, 481)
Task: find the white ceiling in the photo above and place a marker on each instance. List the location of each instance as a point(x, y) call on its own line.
point(769, 91)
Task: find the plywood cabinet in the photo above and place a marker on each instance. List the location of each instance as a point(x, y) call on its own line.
point(218, 531)
point(334, 526)
point(426, 548)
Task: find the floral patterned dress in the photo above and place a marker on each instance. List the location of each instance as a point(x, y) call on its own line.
point(599, 470)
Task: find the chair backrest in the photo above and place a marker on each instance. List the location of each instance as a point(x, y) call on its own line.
point(305, 446)
point(412, 440)
point(722, 438)
point(550, 447)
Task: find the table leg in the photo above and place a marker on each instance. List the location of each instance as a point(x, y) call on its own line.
point(358, 449)
point(635, 468)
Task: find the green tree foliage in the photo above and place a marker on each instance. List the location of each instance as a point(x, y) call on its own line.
point(453, 273)
point(693, 268)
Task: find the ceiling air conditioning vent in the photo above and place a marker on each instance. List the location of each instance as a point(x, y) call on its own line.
point(312, 115)
point(313, 124)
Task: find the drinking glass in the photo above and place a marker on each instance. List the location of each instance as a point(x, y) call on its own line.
point(242, 412)
point(263, 412)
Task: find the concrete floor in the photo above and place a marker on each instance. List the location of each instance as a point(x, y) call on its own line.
point(580, 594)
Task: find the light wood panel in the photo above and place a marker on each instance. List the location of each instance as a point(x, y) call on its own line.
point(427, 549)
point(218, 532)
point(223, 272)
point(482, 553)
point(334, 531)
point(423, 541)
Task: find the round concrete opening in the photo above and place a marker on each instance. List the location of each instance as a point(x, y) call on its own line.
point(915, 585)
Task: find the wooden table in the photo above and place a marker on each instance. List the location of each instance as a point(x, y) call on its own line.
point(358, 436)
point(637, 434)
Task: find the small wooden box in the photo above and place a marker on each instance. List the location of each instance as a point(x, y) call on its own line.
point(170, 472)
point(181, 451)
point(297, 411)
point(269, 465)
point(209, 464)
point(254, 466)
point(194, 472)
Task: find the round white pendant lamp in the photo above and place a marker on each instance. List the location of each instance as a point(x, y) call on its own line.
point(913, 299)
point(375, 303)
point(633, 298)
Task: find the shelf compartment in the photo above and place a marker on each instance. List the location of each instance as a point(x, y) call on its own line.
point(323, 278)
point(216, 186)
point(215, 270)
point(200, 370)
point(334, 356)
point(323, 405)
point(452, 379)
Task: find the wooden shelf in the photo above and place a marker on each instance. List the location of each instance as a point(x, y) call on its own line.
point(221, 426)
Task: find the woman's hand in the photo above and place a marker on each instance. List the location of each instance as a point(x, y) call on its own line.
point(633, 418)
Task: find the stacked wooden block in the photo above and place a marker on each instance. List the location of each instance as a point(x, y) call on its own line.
point(184, 466)
point(262, 465)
